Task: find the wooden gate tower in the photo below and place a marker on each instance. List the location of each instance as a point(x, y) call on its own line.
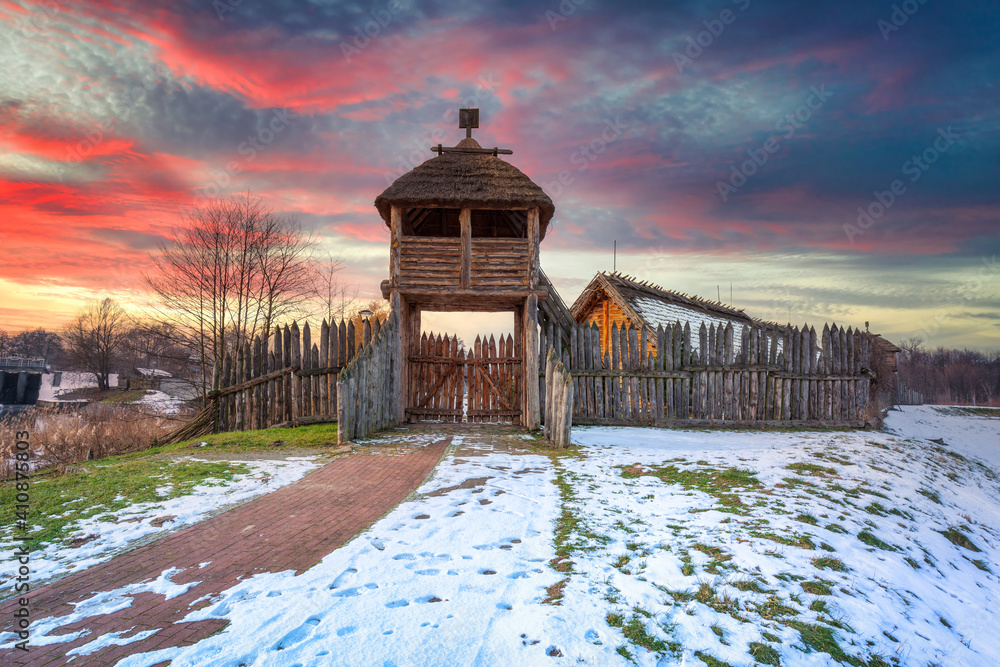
point(465, 229)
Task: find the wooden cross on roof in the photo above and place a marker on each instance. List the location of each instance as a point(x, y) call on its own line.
point(468, 119)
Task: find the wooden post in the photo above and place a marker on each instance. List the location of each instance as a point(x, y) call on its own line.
point(399, 318)
point(465, 221)
point(531, 414)
point(296, 384)
point(324, 362)
point(533, 232)
point(396, 245)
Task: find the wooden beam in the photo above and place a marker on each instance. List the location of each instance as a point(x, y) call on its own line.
point(533, 249)
point(396, 245)
point(532, 418)
point(400, 311)
point(465, 221)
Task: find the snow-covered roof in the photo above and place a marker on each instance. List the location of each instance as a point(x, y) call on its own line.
point(152, 372)
point(646, 304)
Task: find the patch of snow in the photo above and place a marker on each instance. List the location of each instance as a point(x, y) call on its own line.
point(58, 383)
point(111, 639)
point(161, 402)
point(116, 532)
point(101, 604)
point(974, 436)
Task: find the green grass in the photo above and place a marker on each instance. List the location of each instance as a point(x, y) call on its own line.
point(312, 436)
point(827, 563)
point(108, 485)
point(869, 538)
point(746, 585)
point(820, 638)
point(816, 587)
point(959, 539)
point(930, 495)
point(102, 487)
point(572, 534)
point(811, 469)
point(807, 518)
point(709, 660)
point(765, 654)
point(791, 539)
point(966, 411)
point(124, 397)
point(635, 631)
point(719, 483)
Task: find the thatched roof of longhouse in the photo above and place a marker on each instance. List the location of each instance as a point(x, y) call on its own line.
point(473, 180)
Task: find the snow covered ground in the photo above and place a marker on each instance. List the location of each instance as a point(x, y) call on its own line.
point(974, 436)
point(655, 547)
point(161, 402)
point(100, 537)
point(68, 382)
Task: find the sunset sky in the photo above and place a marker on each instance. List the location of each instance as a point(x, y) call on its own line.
point(725, 142)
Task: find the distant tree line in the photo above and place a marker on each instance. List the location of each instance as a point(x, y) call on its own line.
point(34, 344)
point(951, 376)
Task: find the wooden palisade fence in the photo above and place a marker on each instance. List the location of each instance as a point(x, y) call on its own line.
point(369, 388)
point(907, 396)
point(286, 379)
point(777, 376)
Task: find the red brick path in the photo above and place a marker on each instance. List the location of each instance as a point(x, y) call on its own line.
point(291, 528)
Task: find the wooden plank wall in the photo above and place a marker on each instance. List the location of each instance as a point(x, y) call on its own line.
point(430, 262)
point(367, 387)
point(787, 376)
point(288, 378)
point(499, 262)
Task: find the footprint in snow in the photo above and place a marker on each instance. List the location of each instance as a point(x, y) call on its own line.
point(519, 575)
point(504, 606)
point(343, 578)
point(297, 635)
point(404, 556)
point(396, 604)
point(377, 543)
point(487, 572)
point(355, 591)
point(429, 573)
point(346, 630)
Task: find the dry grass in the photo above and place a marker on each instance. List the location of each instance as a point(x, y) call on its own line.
point(62, 439)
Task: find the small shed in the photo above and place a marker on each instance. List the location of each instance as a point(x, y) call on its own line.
point(142, 378)
point(614, 298)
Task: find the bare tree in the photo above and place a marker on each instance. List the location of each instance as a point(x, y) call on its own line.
point(333, 296)
point(228, 273)
point(94, 338)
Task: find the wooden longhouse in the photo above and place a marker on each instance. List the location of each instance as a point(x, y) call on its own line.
point(465, 230)
point(615, 299)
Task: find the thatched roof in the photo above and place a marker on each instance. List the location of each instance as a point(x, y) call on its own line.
point(473, 180)
point(649, 304)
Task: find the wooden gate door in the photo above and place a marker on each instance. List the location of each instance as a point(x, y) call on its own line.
point(482, 384)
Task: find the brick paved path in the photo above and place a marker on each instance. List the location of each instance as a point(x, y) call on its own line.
point(291, 528)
